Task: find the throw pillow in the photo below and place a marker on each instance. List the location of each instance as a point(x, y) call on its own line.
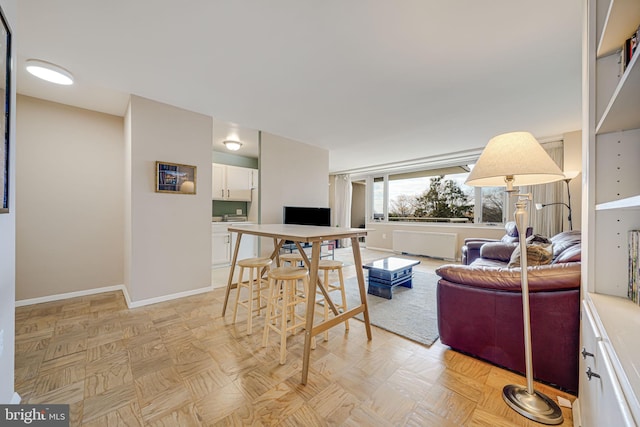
point(539, 252)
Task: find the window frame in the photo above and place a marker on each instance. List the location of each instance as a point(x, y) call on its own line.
point(384, 177)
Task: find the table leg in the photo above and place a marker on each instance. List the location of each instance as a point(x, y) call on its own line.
point(325, 294)
point(277, 245)
point(357, 258)
point(313, 282)
point(231, 271)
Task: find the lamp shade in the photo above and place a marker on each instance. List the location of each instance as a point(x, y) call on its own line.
point(515, 158)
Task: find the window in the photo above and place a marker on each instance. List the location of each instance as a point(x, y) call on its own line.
point(437, 195)
point(378, 198)
point(493, 202)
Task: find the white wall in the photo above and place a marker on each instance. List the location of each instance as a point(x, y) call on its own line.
point(7, 242)
point(291, 174)
point(70, 199)
point(169, 245)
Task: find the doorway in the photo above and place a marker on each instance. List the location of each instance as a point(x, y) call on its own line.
point(358, 205)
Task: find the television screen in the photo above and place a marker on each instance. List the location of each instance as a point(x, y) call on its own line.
point(306, 216)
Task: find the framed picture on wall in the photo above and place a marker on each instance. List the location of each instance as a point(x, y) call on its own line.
point(5, 95)
point(175, 178)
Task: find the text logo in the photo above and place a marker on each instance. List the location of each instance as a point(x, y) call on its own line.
point(34, 415)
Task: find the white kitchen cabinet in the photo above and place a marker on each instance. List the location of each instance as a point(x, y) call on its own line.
point(223, 243)
point(220, 244)
point(231, 183)
point(610, 327)
point(218, 181)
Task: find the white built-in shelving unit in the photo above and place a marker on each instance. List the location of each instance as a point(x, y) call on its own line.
point(610, 328)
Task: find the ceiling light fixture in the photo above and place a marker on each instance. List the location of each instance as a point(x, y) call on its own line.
point(232, 145)
point(49, 72)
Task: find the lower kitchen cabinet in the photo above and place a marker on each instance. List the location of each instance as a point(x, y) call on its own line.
point(223, 244)
point(220, 246)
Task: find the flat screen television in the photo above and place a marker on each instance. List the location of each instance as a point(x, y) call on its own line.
point(306, 215)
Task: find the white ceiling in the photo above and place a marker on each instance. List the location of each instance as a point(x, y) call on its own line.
point(373, 81)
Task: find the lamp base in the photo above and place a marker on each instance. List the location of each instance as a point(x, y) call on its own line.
point(536, 406)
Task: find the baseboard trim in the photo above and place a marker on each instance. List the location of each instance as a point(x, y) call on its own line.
point(380, 249)
point(163, 298)
point(122, 288)
point(15, 399)
point(67, 295)
point(575, 413)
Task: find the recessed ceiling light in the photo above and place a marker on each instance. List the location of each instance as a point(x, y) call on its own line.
point(49, 72)
point(232, 145)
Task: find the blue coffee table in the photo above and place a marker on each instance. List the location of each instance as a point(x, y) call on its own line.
point(385, 274)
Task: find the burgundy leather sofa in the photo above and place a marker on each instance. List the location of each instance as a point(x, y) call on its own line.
point(472, 245)
point(480, 311)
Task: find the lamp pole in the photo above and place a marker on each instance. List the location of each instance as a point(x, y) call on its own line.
point(569, 202)
point(561, 203)
point(507, 158)
point(526, 400)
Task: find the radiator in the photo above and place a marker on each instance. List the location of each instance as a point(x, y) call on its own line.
point(435, 245)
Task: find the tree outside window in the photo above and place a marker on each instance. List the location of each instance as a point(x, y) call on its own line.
point(421, 197)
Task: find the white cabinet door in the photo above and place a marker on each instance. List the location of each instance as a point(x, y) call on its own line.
point(612, 408)
point(239, 182)
point(602, 402)
point(220, 248)
point(588, 390)
point(218, 182)
point(232, 183)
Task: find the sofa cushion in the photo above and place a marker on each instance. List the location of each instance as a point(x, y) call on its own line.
point(499, 251)
point(539, 252)
point(571, 254)
point(541, 278)
point(565, 240)
point(487, 262)
point(511, 232)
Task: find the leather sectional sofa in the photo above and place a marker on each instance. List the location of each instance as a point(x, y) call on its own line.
point(480, 310)
point(471, 248)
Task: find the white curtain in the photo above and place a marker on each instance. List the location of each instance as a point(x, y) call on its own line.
point(342, 211)
point(549, 220)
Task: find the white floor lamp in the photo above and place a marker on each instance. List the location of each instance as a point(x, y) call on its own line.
point(508, 160)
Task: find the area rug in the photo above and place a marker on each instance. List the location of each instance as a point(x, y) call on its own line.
point(411, 313)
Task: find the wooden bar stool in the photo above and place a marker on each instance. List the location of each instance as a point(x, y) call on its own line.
point(293, 258)
point(283, 298)
point(254, 285)
point(327, 266)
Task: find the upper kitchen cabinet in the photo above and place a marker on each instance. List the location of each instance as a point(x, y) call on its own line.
point(232, 183)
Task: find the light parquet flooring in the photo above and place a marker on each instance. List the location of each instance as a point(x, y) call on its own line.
point(180, 363)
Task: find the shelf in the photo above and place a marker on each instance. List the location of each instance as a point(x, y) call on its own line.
point(611, 143)
point(626, 15)
point(628, 203)
point(622, 111)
